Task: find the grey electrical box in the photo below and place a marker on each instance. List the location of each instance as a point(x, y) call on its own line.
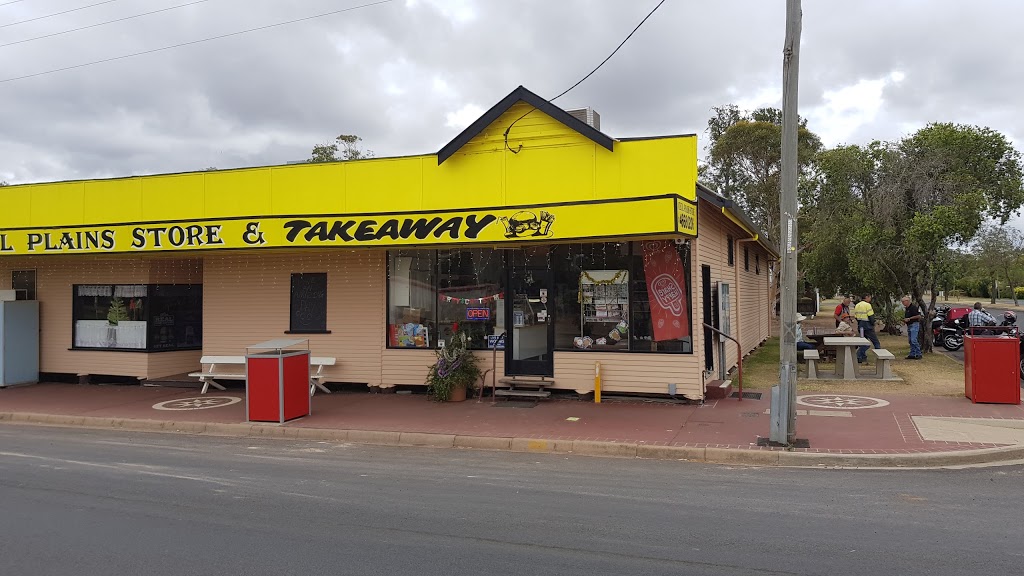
point(19, 342)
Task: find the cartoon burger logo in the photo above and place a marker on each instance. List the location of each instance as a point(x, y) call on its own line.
point(525, 224)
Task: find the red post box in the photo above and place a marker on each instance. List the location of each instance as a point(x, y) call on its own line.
point(277, 381)
point(991, 369)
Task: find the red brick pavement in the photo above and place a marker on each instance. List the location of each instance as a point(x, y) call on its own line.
point(723, 424)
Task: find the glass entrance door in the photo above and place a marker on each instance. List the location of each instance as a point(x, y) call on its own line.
point(531, 334)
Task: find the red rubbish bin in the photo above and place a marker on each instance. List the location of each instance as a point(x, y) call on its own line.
point(992, 369)
point(277, 381)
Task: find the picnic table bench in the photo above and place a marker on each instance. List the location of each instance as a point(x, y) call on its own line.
point(233, 368)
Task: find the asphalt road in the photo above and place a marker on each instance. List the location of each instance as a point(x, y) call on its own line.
point(89, 502)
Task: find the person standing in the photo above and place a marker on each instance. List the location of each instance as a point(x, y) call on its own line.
point(912, 318)
point(843, 309)
point(865, 314)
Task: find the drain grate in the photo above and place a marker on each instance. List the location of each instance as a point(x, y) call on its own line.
point(798, 443)
point(747, 395)
point(750, 414)
point(514, 404)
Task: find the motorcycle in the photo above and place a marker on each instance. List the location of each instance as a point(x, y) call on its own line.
point(949, 326)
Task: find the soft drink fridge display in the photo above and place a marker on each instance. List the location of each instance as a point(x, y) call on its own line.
point(991, 369)
point(277, 381)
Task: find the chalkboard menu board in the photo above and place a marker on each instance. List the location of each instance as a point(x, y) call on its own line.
point(309, 303)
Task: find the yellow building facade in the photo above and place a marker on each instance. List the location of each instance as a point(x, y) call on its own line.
point(532, 224)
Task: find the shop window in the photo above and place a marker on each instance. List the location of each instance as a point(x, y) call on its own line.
point(134, 317)
point(660, 297)
point(175, 317)
point(412, 295)
point(23, 282)
point(470, 297)
point(308, 303)
point(591, 286)
point(730, 247)
point(746, 258)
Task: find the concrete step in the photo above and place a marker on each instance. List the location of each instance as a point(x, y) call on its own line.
point(526, 382)
point(717, 389)
point(524, 393)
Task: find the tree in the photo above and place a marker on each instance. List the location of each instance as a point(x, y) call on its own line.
point(346, 144)
point(911, 202)
point(745, 160)
point(999, 253)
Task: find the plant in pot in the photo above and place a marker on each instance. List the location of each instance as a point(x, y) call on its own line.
point(455, 372)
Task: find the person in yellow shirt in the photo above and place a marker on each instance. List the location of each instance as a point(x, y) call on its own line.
point(865, 314)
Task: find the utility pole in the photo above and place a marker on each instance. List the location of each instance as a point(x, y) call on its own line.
point(783, 421)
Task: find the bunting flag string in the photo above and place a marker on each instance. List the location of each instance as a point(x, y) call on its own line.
point(485, 299)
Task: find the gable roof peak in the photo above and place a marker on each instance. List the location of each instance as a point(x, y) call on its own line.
point(522, 94)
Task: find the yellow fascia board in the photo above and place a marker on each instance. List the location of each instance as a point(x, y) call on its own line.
point(574, 170)
point(728, 214)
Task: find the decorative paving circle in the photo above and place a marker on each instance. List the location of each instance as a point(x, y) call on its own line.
point(201, 403)
point(841, 401)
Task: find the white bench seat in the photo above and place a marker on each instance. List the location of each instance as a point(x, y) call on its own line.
point(233, 368)
point(883, 363)
point(812, 357)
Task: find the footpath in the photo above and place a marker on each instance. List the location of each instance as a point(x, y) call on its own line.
point(841, 429)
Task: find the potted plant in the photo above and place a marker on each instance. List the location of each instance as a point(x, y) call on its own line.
point(455, 371)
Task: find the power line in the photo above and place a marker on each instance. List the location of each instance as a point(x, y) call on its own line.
point(12, 2)
point(190, 43)
point(102, 23)
point(589, 74)
point(56, 14)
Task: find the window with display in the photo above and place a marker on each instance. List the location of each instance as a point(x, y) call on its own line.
point(470, 297)
point(137, 317)
point(623, 297)
point(591, 285)
point(412, 295)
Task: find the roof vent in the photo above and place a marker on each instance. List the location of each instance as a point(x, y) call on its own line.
point(588, 116)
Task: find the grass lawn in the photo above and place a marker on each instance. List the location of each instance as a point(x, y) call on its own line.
point(935, 375)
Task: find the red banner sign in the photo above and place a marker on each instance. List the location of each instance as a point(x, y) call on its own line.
point(666, 288)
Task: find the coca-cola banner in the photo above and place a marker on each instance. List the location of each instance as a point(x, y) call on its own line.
point(666, 288)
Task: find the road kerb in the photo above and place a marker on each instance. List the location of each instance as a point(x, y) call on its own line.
point(483, 443)
point(592, 448)
point(422, 439)
point(742, 456)
point(540, 445)
point(689, 453)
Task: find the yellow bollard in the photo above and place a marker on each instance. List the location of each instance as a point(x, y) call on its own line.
point(597, 382)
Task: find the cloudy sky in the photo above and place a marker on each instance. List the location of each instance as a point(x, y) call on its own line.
point(409, 74)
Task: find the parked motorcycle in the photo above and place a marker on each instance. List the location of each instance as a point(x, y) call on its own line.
point(949, 326)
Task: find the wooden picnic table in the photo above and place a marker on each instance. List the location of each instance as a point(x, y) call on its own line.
point(846, 367)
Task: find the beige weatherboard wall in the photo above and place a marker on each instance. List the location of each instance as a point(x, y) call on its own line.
point(243, 233)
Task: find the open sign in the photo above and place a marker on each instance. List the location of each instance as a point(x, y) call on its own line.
point(478, 314)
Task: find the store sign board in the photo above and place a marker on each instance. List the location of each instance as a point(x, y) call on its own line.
point(686, 217)
point(543, 223)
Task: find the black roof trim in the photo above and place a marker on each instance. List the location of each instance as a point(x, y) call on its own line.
point(706, 194)
point(522, 94)
point(663, 137)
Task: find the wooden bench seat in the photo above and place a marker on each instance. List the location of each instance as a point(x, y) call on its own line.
point(233, 368)
point(883, 363)
point(812, 357)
